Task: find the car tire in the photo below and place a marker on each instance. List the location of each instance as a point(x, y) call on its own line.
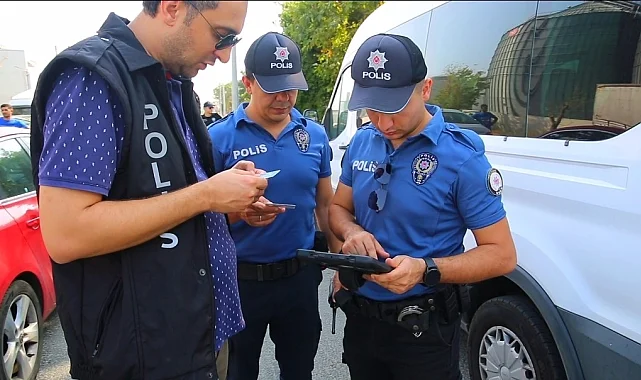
point(530, 348)
point(18, 293)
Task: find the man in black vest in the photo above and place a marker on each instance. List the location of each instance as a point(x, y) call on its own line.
point(132, 210)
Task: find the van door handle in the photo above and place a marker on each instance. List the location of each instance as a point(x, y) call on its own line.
point(34, 223)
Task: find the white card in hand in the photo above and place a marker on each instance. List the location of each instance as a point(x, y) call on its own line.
point(270, 174)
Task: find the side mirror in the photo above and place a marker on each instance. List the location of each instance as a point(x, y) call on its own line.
point(328, 123)
point(311, 114)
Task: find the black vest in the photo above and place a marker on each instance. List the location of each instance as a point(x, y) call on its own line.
point(145, 312)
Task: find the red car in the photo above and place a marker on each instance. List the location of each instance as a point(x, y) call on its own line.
point(26, 280)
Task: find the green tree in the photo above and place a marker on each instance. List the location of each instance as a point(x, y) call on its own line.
point(462, 88)
point(323, 30)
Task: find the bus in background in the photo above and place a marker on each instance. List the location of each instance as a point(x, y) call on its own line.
point(571, 309)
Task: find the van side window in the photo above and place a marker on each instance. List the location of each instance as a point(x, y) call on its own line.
point(339, 104)
point(479, 53)
point(525, 73)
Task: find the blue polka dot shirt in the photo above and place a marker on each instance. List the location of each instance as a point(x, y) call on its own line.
point(83, 132)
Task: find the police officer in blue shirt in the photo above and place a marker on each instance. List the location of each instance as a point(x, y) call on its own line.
point(275, 289)
point(410, 187)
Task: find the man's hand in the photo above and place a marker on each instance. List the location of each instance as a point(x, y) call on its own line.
point(259, 214)
point(233, 190)
point(407, 273)
point(365, 244)
point(337, 285)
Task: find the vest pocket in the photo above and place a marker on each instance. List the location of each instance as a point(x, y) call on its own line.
point(106, 311)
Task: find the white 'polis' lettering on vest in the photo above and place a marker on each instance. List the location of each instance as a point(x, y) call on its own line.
point(173, 239)
point(154, 114)
point(251, 151)
point(364, 166)
point(379, 76)
point(282, 65)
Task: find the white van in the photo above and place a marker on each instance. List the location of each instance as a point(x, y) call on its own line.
point(572, 308)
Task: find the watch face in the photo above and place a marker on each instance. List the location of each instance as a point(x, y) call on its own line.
point(432, 275)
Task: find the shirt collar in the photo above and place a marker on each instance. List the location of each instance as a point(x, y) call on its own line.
point(241, 115)
point(435, 127)
point(126, 42)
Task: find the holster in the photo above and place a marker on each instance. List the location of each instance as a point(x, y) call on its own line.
point(351, 279)
point(320, 242)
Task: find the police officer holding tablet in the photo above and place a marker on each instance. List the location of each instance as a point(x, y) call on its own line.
point(275, 288)
point(431, 183)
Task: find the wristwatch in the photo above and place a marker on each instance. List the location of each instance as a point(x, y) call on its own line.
point(432, 275)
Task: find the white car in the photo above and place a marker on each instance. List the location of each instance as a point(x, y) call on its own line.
point(572, 308)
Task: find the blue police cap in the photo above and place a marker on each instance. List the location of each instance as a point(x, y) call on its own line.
point(275, 61)
point(386, 69)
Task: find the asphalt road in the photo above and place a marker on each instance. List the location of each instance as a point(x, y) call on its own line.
point(55, 363)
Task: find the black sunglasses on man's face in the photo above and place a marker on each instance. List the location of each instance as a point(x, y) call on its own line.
point(224, 42)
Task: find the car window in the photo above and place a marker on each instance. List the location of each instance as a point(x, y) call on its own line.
point(339, 104)
point(15, 170)
point(459, 118)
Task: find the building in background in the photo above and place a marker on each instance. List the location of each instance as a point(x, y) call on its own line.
point(14, 74)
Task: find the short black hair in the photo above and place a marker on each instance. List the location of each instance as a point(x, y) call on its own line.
point(483, 105)
point(5, 105)
point(151, 7)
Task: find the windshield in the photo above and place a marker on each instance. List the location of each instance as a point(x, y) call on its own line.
point(458, 118)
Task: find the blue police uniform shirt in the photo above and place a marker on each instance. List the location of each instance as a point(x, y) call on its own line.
point(485, 118)
point(438, 188)
point(302, 154)
point(12, 123)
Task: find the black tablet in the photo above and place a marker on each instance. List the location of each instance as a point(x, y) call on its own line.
point(363, 264)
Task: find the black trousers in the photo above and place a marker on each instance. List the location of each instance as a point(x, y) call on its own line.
point(377, 350)
point(289, 307)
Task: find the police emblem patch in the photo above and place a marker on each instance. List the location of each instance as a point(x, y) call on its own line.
point(494, 182)
point(376, 60)
point(423, 167)
point(281, 53)
point(301, 137)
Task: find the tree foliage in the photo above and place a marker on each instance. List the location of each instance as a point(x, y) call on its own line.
point(323, 30)
point(462, 88)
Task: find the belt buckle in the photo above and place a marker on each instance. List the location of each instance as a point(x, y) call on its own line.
point(260, 272)
point(412, 310)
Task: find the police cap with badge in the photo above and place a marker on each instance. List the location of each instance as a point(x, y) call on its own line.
point(275, 62)
point(386, 70)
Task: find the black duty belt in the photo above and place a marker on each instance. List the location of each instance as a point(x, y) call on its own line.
point(269, 271)
point(413, 314)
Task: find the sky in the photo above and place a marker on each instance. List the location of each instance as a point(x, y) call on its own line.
point(39, 27)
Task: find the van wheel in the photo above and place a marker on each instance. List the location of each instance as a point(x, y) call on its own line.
point(509, 340)
point(21, 317)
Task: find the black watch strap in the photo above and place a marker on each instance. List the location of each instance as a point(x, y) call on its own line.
point(432, 275)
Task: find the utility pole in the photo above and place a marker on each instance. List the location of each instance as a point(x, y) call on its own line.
point(223, 105)
point(234, 80)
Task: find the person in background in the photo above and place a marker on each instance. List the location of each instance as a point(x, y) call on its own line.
point(7, 120)
point(276, 290)
point(405, 324)
point(209, 114)
point(132, 209)
point(488, 119)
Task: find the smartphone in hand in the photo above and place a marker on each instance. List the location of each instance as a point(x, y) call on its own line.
point(284, 205)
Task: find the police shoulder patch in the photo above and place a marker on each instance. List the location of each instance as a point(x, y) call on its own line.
point(302, 139)
point(494, 182)
point(423, 167)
